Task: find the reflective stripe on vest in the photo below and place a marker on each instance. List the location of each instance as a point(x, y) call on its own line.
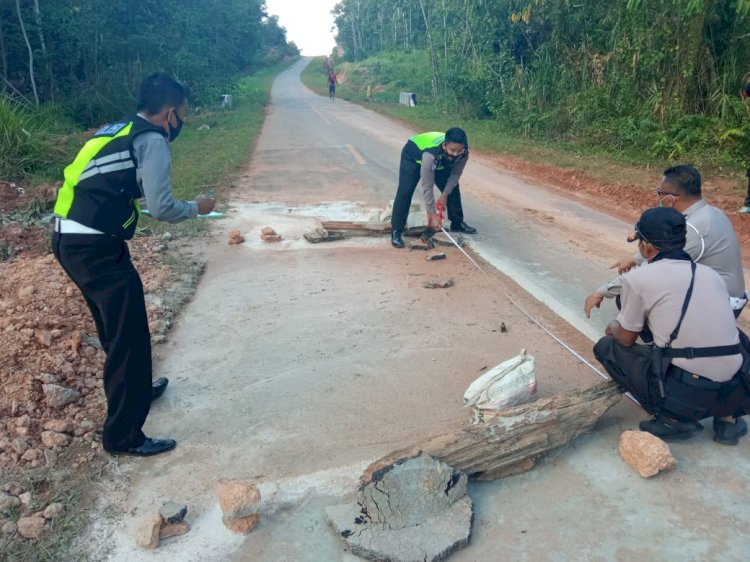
point(86, 165)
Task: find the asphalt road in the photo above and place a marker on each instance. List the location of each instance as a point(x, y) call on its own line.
point(296, 365)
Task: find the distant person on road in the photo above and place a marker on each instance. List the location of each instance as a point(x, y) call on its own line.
point(437, 159)
point(710, 239)
point(746, 205)
point(332, 83)
point(96, 211)
point(691, 369)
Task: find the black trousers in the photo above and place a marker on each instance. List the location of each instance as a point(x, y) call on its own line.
point(747, 197)
point(409, 173)
point(101, 268)
point(687, 397)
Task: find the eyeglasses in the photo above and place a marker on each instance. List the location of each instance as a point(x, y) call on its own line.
point(661, 193)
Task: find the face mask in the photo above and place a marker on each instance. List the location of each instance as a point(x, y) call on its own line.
point(174, 132)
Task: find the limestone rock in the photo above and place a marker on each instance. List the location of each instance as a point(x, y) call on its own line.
point(147, 535)
point(59, 396)
point(43, 337)
point(20, 445)
point(173, 529)
point(25, 498)
point(235, 237)
point(268, 234)
point(59, 426)
point(172, 512)
point(238, 499)
point(9, 528)
point(30, 527)
point(54, 510)
point(242, 525)
point(415, 509)
point(54, 440)
point(645, 453)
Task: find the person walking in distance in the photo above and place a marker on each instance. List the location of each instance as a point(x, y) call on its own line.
point(435, 159)
point(332, 83)
point(96, 212)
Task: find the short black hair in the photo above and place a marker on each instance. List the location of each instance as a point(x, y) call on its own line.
point(685, 178)
point(159, 90)
point(456, 135)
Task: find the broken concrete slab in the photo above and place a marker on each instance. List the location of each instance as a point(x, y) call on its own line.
point(413, 510)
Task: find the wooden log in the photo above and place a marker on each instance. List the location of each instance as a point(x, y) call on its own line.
point(353, 228)
point(508, 441)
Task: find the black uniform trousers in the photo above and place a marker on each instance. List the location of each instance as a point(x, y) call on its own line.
point(409, 173)
point(687, 397)
point(100, 266)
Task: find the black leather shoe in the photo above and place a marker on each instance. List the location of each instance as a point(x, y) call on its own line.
point(396, 241)
point(148, 448)
point(463, 227)
point(728, 433)
point(667, 429)
point(158, 387)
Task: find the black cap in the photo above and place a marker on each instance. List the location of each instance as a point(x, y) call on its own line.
point(663, 227)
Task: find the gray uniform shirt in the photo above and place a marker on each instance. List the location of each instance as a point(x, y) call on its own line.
point(153, 172)
point(654, 295)
point(711, 241)
point(428, 180)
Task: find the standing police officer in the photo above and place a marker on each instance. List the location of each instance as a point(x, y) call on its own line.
point(438, 159)
point(96, 211)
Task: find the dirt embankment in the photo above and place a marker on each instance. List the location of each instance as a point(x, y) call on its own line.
point(51, 394)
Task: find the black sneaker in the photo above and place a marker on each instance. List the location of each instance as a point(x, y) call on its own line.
point(463, 227)
point(666, 429)
point(396, 241)
point(728, 433)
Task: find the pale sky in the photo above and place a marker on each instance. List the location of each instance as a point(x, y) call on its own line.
point(308, 23)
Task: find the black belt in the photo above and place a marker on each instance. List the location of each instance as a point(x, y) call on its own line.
point(699, 352)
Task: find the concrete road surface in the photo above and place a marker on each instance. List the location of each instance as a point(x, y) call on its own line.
point(297, 365)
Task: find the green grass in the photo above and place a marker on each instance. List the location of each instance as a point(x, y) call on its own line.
point(392, 74)
point(208, 159)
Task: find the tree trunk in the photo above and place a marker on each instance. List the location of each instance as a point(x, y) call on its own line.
point(433, 58)
point(508, 441)
point(31, 53)
point(3, 53)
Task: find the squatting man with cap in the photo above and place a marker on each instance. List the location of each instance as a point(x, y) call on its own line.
point(692, 367)
point(710, 239)
point(437, 159)
point(97, 210)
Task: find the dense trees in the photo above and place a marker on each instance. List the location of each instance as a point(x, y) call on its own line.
point(593, 68)
point(90, 55)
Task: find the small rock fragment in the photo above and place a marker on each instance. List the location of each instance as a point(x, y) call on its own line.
point(242, 525)
point(271, 238)
point(147, 535)
point(173, 512)
point(25, 498)
point(503, 329)
point(54, 440)
point(238, 499)
point(59, 426)
point(54, 510)
point(645, 453)
point(235, 237)
point(43, 337)
point(30, 527)
point(59, 396)
point(433, 285)
point(267, 230)
point(8, 502)
point(434, 257)
point(9, 528)
point(173, 529)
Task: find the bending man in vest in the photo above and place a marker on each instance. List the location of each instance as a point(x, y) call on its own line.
point(97, 211)
point(691, 370)
point(438, 159)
